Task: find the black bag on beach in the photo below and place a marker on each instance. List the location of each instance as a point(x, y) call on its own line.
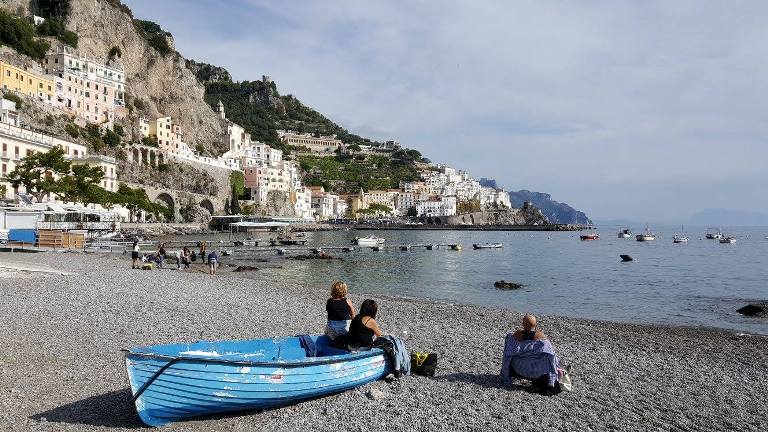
point(423, 363)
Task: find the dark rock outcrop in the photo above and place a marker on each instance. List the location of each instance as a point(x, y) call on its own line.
point(502, 284)
point(556, 212)
point(757, 310)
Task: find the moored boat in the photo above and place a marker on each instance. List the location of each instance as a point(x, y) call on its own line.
point(728, 240)
point(625, 233)
point(178, 381)
point(680, 238)
point(594, 236)
point(646, 236)
point(487, 246)
point(713, 235)
point(368, 241)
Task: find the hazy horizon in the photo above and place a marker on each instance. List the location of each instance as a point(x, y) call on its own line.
point(647, 110)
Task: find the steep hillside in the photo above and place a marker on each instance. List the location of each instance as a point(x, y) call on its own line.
point(261, 110)
point(156, 84)
point(556, 212)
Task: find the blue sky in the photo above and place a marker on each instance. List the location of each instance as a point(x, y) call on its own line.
point(648, 110)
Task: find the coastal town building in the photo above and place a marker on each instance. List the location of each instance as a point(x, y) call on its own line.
point(436, 206)
point(108, 165)
point(324, 145)
point(8, 113)
point(17, 143)
point(29, 81)
point(85, 88)
point(326, 205)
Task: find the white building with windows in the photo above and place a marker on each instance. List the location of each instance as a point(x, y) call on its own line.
point(436, 206)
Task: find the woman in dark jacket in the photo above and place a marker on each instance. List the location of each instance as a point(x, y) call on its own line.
point(363, 329)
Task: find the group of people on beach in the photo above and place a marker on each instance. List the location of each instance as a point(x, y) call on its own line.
point(528, 354)
point(184, 257)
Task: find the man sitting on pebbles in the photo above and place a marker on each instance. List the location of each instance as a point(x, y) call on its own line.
point(528, 354)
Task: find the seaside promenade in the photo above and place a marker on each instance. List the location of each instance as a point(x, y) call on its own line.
point(61, 367)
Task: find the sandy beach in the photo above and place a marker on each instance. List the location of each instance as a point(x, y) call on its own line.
point(61, 367)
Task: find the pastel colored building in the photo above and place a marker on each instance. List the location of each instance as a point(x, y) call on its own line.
point(30, 82)
point(324, 145)
point(17, 143)
point(85, 88)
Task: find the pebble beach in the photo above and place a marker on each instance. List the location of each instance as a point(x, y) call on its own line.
point(61, 368)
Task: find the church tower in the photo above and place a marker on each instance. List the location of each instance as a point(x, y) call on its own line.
point(220, 110)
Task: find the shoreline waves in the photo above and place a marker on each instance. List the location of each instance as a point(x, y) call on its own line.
point(61, 367)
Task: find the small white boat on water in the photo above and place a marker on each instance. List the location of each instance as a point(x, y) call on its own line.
point(368, 241)
point(646, 236)
point(680, 238)
point(714, 235)
point(728, 240)
point(625, 233)
point(487, 246)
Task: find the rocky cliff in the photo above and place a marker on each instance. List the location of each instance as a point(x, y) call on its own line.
point(516, 216)
point(156, 84)
point(556, 212)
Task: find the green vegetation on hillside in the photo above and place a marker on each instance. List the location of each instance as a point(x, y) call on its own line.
point(19, 34)
point(261, 110)
point(258, 119)
point(52, 8)
point(55, 27)
point(155, 36)
point(344, 174)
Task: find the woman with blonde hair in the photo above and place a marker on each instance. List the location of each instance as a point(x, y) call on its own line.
point(340, 311)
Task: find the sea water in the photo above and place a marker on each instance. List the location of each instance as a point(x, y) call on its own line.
point(701, 283)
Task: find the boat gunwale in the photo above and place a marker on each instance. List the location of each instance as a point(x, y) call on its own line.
point(340, 358)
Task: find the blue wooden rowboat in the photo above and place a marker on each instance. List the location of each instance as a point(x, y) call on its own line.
point(177, 381)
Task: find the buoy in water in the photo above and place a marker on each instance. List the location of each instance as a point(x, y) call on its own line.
point(626, 258)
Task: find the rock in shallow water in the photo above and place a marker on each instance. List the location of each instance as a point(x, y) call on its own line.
point(759, 310)
point(502, 284)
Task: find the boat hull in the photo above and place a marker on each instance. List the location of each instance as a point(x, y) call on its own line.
point(369, 242)
point(191, 387)
point(645, 238)
point(487, 246)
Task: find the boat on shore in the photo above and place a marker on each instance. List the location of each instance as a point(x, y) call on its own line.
point(177, 381)
point(728, 240)
point(368, 241)
point(646, 236)
point(487, 246)
point(594, 236)
point(624, 233)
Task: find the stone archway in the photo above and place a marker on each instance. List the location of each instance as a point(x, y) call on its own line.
point(208, 205)
point(136, 156)
point(438, 221)
point(167, 200)
point(160, 159)
point(143, 157)
point(430, 221)
point(472, 219)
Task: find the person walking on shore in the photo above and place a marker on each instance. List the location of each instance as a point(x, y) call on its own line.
point(185, 257)
point(340, 311)
point(135, 255)
point(213, 259)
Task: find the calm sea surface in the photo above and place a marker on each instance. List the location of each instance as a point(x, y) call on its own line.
point(701, 283)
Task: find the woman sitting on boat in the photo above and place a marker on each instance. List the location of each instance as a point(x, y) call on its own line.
point(340, 311)
point(363, 329)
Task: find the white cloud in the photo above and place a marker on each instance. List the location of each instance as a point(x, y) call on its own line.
point(572, 98)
